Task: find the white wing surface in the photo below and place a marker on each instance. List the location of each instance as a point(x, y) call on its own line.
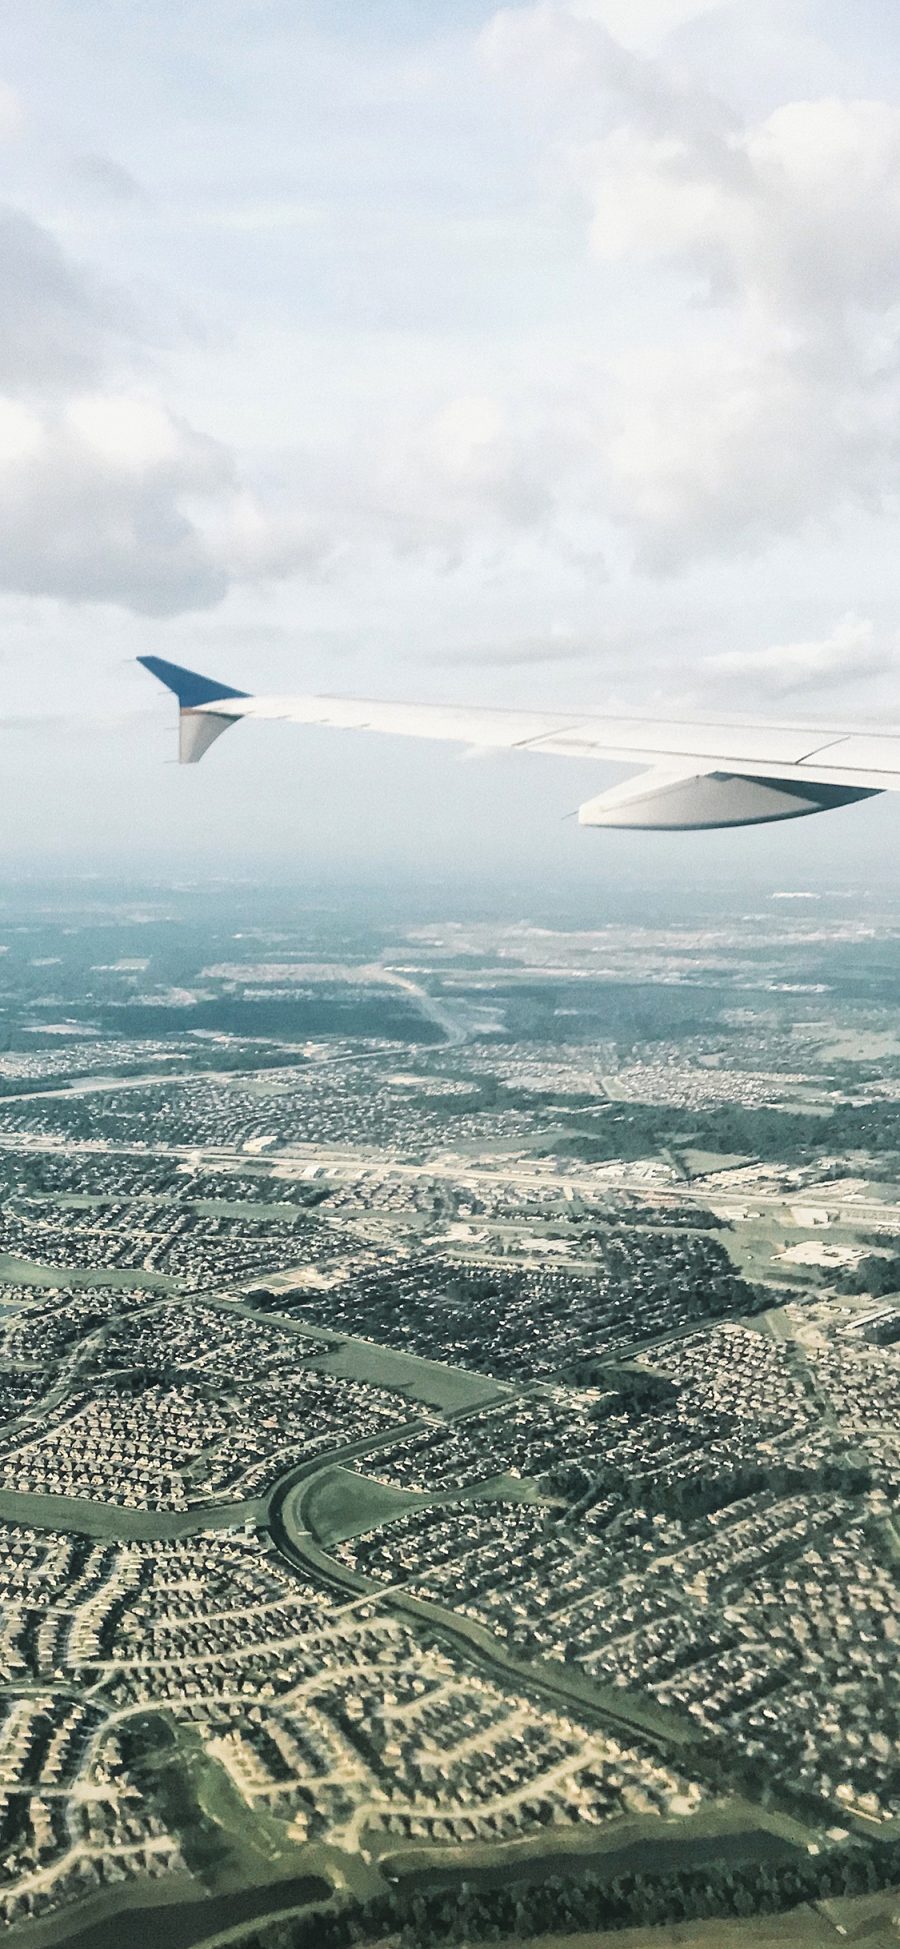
point(696, 774)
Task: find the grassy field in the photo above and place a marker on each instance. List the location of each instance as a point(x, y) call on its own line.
point(286, 1209)
point(700, 1162)
point(340, 1503)
point(248, 1845)
point(23, 1272)
point(428, 1381)
point(77, 1515)
point(753, 1243)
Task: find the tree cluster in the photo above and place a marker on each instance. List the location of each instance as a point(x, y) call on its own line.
point(422, 1919)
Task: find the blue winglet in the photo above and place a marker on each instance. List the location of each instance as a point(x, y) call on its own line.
point(191, 690)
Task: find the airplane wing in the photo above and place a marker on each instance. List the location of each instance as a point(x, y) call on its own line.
point(695, 776)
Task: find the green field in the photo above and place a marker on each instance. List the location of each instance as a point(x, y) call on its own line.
point(428, 1381)
point(77, 1515)
point(700, 1162)
point(339, 1503)
point(24, 1272)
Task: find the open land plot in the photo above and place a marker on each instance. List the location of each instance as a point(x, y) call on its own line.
point(229, 1844)
point(753, 1245)
point(430, 1382)
point(859, 1045)
point(76, 1516)
point(701, 1163)
point(340, 1503)
point(775, 1249)
point(869, 1920)
point(27, 1272)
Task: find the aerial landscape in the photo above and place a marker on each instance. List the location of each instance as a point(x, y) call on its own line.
point(449, 1446)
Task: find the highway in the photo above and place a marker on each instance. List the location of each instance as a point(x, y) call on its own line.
point(348, 1164)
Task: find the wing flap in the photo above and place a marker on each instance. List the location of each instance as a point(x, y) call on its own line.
point(686, 801)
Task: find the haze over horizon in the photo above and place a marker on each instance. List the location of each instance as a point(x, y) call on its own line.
point(544, 354)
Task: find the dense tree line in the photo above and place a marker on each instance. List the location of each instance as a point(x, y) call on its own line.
point(635, 1130)
point(633, 1390)
point(423, 1919)
point(875, 1274)
point(689, 1495)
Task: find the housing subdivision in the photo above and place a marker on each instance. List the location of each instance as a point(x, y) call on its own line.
point(437, 1449)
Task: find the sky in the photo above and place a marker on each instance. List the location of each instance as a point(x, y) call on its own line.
point(541, 354)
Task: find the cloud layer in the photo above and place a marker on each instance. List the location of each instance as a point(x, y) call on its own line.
point(106, 493)
point(851, 651)
point(762, 394)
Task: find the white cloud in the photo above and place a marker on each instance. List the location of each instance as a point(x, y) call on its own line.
point(465, 479)
point(728, 443)
point(128, 434)
point(12, 115)
point(255, 215)
point(105, 493)
point(149, 513)
point(475, 462)
point(564, 57)
point(801, 207)
point(260, 544)
point(21, 433)
point(466, 435)
point(643, 23)
point(59, 326)
point(550, 46)
point(849, 653)
point(89, 521)
point(782, 406)
point(776, 403)
point(111, 498)
point(800, 211)
point(556, 646)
